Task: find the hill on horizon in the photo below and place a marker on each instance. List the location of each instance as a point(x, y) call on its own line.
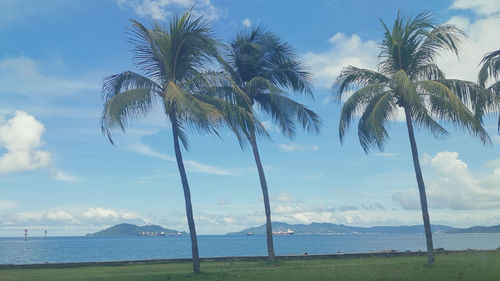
point(478, 229)
point(330, 228)
point(127, 229)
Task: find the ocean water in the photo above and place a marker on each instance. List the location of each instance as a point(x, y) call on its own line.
point(88, 249)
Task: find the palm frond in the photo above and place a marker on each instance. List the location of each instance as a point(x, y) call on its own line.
point(352, 77)
point(409, 99)
point(286, 111)
point(490, 68)
point(372, 130)
point(125, 107)
point(190, 110)
point(478, 98)
point(428, 71)
point(151, 52)
point(355, 103)
point(447, 105)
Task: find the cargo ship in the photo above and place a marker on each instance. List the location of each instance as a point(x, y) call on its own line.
point(281, 232)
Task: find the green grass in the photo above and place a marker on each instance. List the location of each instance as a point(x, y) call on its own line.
point(458, 266)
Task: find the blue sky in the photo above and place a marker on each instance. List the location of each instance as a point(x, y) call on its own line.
point(58, 172)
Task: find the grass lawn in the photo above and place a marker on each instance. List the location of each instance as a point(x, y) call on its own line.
point(463, 266)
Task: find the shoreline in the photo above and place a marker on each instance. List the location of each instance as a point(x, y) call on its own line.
point(386, 254)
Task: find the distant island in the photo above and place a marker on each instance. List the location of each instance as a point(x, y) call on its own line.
point(477, 229)
point(126, 229)
point(329, 228)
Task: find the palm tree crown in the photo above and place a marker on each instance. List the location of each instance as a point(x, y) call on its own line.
point(264, 68)
point(172, 61)
point(408, 77)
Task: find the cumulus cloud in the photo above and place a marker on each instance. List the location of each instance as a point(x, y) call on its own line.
point(344, 50)
point(407, 199)
point(480, 7)
point(70, 216)
point(297, 147)
point(246, 22)
point(21, 137)
point(451, 185)
point(480, 41)
point(161, 9)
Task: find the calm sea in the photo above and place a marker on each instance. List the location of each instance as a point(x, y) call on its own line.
point(80, 249)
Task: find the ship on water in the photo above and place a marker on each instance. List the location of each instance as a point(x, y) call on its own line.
point(158, 234)
point(281, 232)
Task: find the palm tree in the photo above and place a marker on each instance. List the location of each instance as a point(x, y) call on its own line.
point(171, 61)
point(264, 69)
point(408, 78)
point(489, 73)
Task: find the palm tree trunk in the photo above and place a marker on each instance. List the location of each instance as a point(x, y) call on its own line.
point(421, 189)
point(265, 195)
point(187, 195)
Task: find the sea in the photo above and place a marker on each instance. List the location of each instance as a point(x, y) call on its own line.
point(14, 250)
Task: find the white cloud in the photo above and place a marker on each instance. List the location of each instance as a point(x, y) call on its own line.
point(344, 51)
point(6, 205)
point(451, 185)
point(103, 213)
point(196, 166)
point(161, 9)
point(191, 165)
point(86, 218)
point(480, 7)
point(21, 136)
point(23, 75)
point(246, 22)
point(480, 41)
point(297, 147)
point(62, 176)
point(147, 150)
point(407, 199)
point(270, 127)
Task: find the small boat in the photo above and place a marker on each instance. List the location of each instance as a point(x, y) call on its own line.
point(281, 232)
point(151, 233)
point(250, 233)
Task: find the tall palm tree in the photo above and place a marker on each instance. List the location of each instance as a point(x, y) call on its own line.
point(264, 69)
point(489, 74)
point(408, 78)
point(171, 61)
